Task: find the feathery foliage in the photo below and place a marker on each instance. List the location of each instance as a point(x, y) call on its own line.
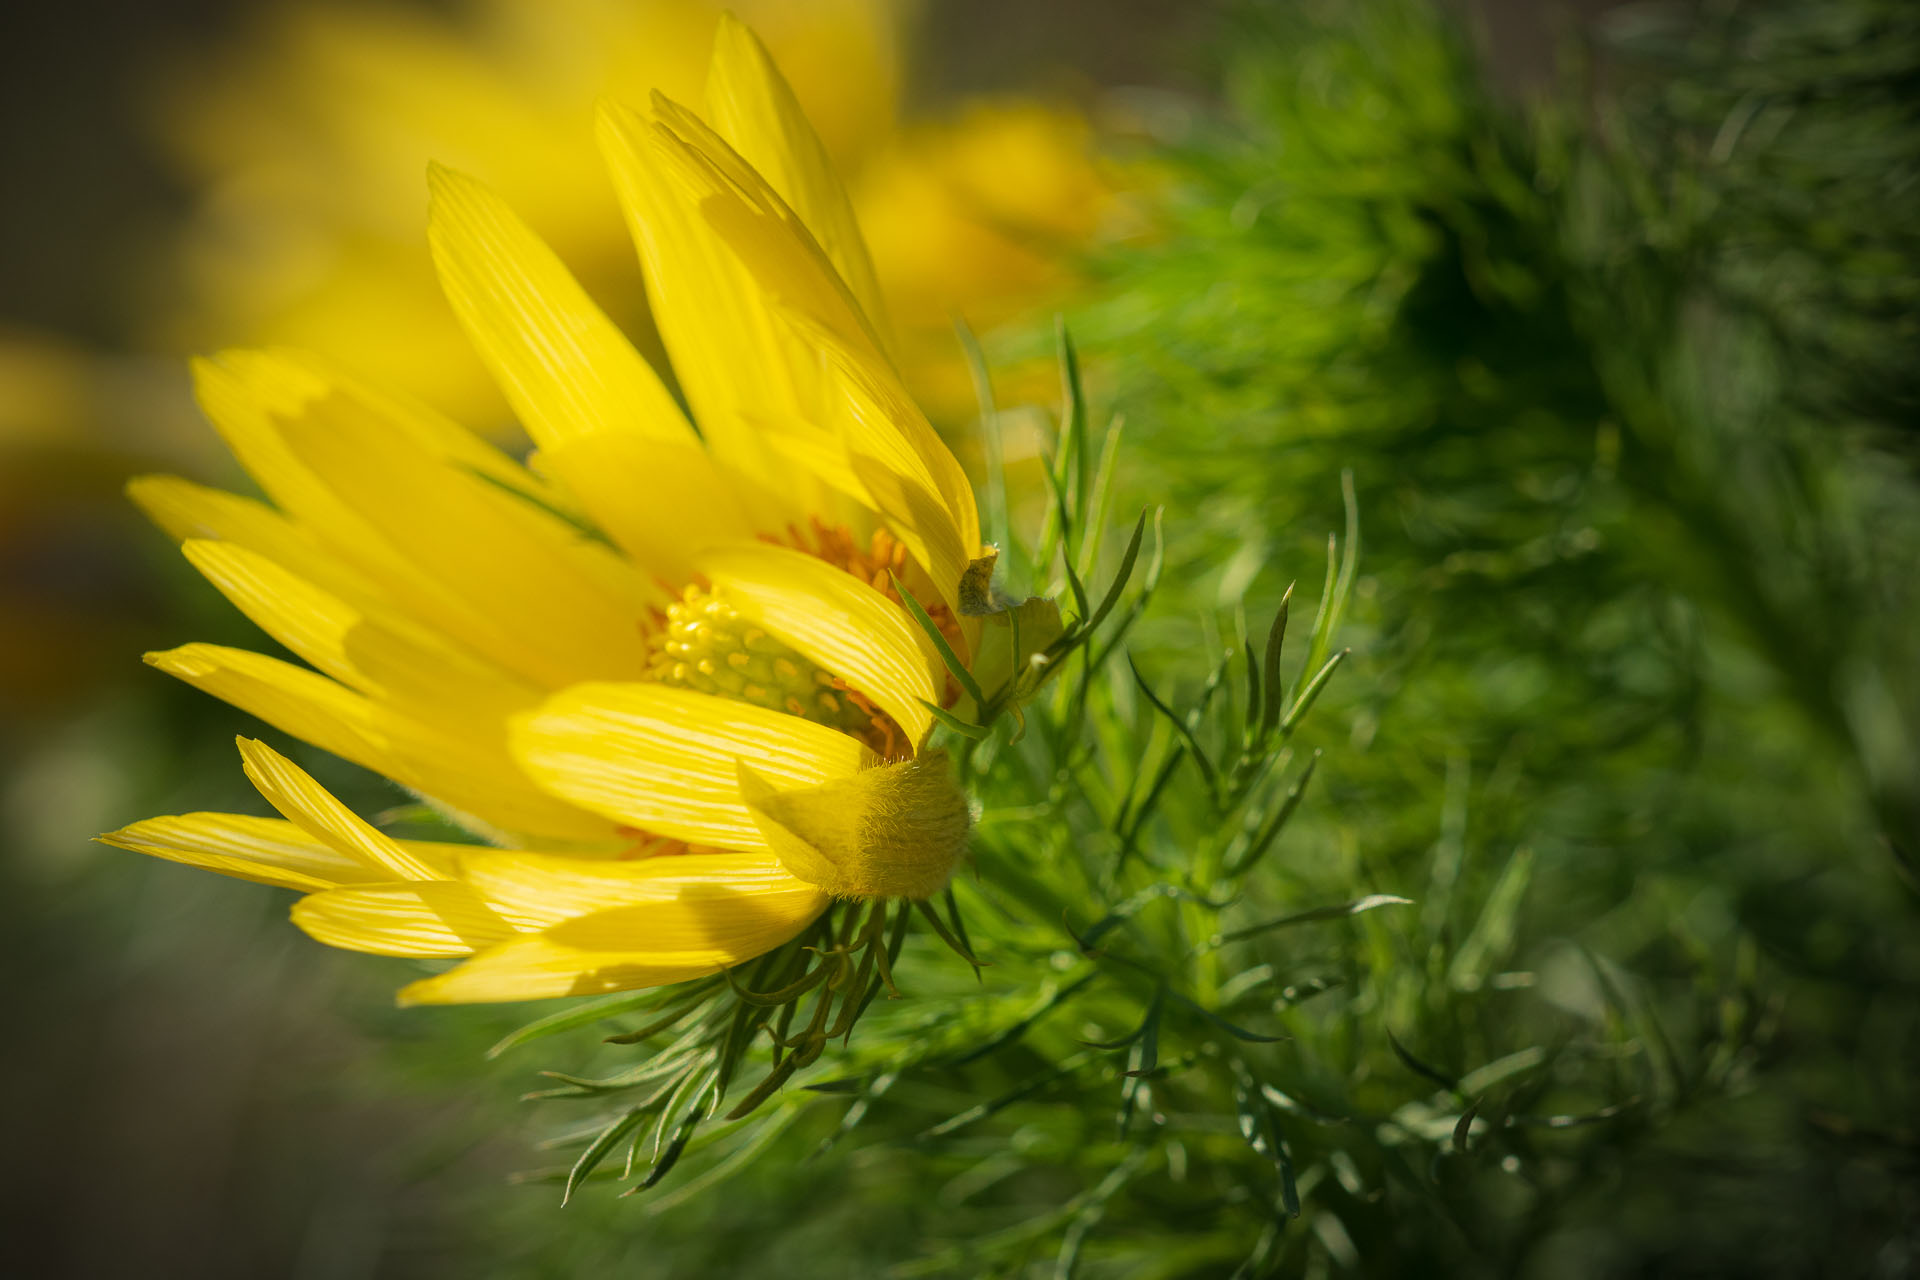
point(1620, 386)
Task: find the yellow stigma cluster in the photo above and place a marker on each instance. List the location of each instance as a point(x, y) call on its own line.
point(706, 646)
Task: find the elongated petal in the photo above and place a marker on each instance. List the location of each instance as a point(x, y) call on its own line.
point(754, 109)
point(382, 655)
point(704, 929)
point(264, 850)
point(915, 516)
point(537, 597)
point(784, 261)
point(893, 832)
point(907, 473)
point(565, 368)
point(312, 808)
point(902, 468)
point(663, 759)
point(840, 622)
point(437, 435)
point(542, 889)
point(394, 498)
point(661, 500)
point(480, 787)
point(711, 327)
point(877, 411)
point(606, 426)
point(430, 918)
point(246, 394)
point(185, 510)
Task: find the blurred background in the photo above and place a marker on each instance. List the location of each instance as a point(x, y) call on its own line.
point(1610, 310)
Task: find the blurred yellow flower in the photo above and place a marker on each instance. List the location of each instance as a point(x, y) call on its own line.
point(980, 215)
point(309, 140)
point(669, 674)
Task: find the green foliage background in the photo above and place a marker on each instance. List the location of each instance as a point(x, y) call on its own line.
point(1621, 380)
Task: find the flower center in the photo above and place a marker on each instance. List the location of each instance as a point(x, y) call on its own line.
point(703, 644)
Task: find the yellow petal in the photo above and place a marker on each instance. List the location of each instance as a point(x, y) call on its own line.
point(714, 323)
point(313, 809)
point(877, 400)
point(426, 918)
point(663, 759)
point(185, 510)
point(542, 889)
point(565, 368)
point(856, 401)
point(482, 788)
point(265, 850)
point(507, 578)
point(893, 832)
point(754, 109)
point(916, 517)
point(910, 476)
point(836, 620)
point(434, 433)
point(783, 259)
point(711, 328)
point(382, 655)
point(246, 394)
point(703, 930)
point(661, 500)
point(243, 393)
point(606, 426)
point(392, 494)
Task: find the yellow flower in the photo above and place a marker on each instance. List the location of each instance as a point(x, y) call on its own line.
point(684, 740)
point(306, 144)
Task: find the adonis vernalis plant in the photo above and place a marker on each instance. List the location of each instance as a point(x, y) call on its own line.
point(680, 677)
point(713, 690)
